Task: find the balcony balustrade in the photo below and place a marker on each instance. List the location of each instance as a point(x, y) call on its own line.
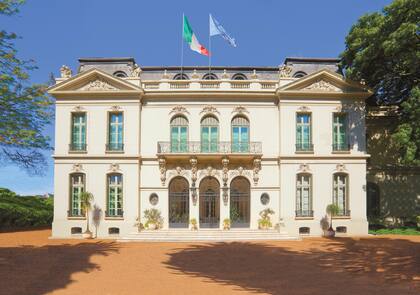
point(197, 147)
point(210, 85)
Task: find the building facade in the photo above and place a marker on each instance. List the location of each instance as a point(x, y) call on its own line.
point(210, 146)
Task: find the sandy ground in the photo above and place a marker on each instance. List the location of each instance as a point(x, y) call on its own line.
point(32, 264)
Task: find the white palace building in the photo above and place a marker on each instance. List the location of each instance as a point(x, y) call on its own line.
point(210, 146)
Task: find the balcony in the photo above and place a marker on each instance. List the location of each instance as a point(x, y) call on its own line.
point(210, 85)
point(304, 147)
point(341, 147)
point(343, 213)
point(197, 147)
point(77, 147)
point(304, 213)
point(115, 147)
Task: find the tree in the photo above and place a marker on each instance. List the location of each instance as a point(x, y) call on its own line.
point(86, 199)
point(332, 211)
point(383, 49)
point(25, 108)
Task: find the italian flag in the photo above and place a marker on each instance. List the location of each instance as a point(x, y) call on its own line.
point(191, 39)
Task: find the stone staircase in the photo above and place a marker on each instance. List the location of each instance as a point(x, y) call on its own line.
point(206, 235)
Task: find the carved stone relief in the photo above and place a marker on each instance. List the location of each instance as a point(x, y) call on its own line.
point(322, 85)
point(98, 85)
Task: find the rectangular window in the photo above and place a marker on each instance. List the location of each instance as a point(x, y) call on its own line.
point(77, 188)
point(115, 129)
point(303, 132)
point(115, 195)
point(78, 132)
point(340, 194)
point(303, 196)
point(340, 133)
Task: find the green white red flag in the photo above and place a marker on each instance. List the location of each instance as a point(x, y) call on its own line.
point(191, 39)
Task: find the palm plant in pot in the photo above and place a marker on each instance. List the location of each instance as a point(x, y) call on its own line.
point(154, 219)
point(332, 210)
point(86, 199)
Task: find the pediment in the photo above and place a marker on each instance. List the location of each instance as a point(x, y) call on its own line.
point(94, 81)
point(327, 83)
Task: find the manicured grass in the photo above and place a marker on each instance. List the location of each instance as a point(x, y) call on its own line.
point(396, 231)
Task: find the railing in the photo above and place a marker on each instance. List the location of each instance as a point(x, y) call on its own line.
point(304, 213)
point(343, 213)
point(114, 147)
point(77, 147)
point(340, 147)
point(304, 147)
point(197, 147)
point(213, 85)
point(116, 213)
point(79, 214)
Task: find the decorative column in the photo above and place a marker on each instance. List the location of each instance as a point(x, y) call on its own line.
point(225, 208)
point(194, 208)
point(162, 169)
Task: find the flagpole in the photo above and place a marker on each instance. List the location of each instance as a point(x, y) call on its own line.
point(209, 48)
point(182, 48)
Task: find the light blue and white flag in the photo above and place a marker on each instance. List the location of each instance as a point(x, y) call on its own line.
point(217, 29)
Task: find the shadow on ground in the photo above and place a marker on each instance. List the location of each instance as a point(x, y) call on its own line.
point(39, 270)
point(338, 266)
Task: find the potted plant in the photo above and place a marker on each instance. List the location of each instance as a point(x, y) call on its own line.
point(332, 210)
point(226, 224)
point(193, 223)
point(139, 224)
point(265, 221)
point(86, 199)
point(154, 219)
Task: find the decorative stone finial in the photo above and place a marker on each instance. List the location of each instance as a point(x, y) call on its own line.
point(195, 74)
point(284, 71)
point(65, 72)
point(254, 74)
point(135, 71)
point(225, 74)
point(165, 74)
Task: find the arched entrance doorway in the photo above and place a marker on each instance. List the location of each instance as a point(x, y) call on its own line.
point(209, 203)
point(178, 203)
point(240, 197)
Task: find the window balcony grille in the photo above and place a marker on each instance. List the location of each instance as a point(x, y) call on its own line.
point(115, 147)
point(114, 213)
point(197, 147)
point(341, 147)
point(343, 213)
point(304, 147)
point(76, 213)
point(78, 147)
point(304, 213)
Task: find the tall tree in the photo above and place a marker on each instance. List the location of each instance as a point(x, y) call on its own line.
point(25, 108)
point(384, 50)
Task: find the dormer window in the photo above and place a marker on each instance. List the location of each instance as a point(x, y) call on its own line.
point(210, 76)
point(120, 74)
point(299, 74)
point(239, 76)
point(181, 77)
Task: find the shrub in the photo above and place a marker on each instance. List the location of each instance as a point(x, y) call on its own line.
point(20, 212)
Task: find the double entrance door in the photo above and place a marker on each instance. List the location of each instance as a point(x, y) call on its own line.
point(209, 203)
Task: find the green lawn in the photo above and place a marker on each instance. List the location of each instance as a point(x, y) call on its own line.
point(396, 231)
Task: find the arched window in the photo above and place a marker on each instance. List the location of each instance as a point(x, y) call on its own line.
point(239, 76)
point(115, 195)
point(299, 74)
point(181, 77)
point(120, 74)
point(178, 202)
point(209, 134)
point(210, 76)
point(240, 134)
point(240, 198)
point(304, 195)
point(77, 187)
point(179, 134)
point(340, 193)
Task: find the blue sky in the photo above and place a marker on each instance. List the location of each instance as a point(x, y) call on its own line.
point(59, 32)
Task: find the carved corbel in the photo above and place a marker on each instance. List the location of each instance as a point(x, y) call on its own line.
point(114, 167)
point(225, 178)
point(77, 167)
point(257, 169)
point(162, 169)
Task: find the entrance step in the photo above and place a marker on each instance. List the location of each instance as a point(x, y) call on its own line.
point(206, 235)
